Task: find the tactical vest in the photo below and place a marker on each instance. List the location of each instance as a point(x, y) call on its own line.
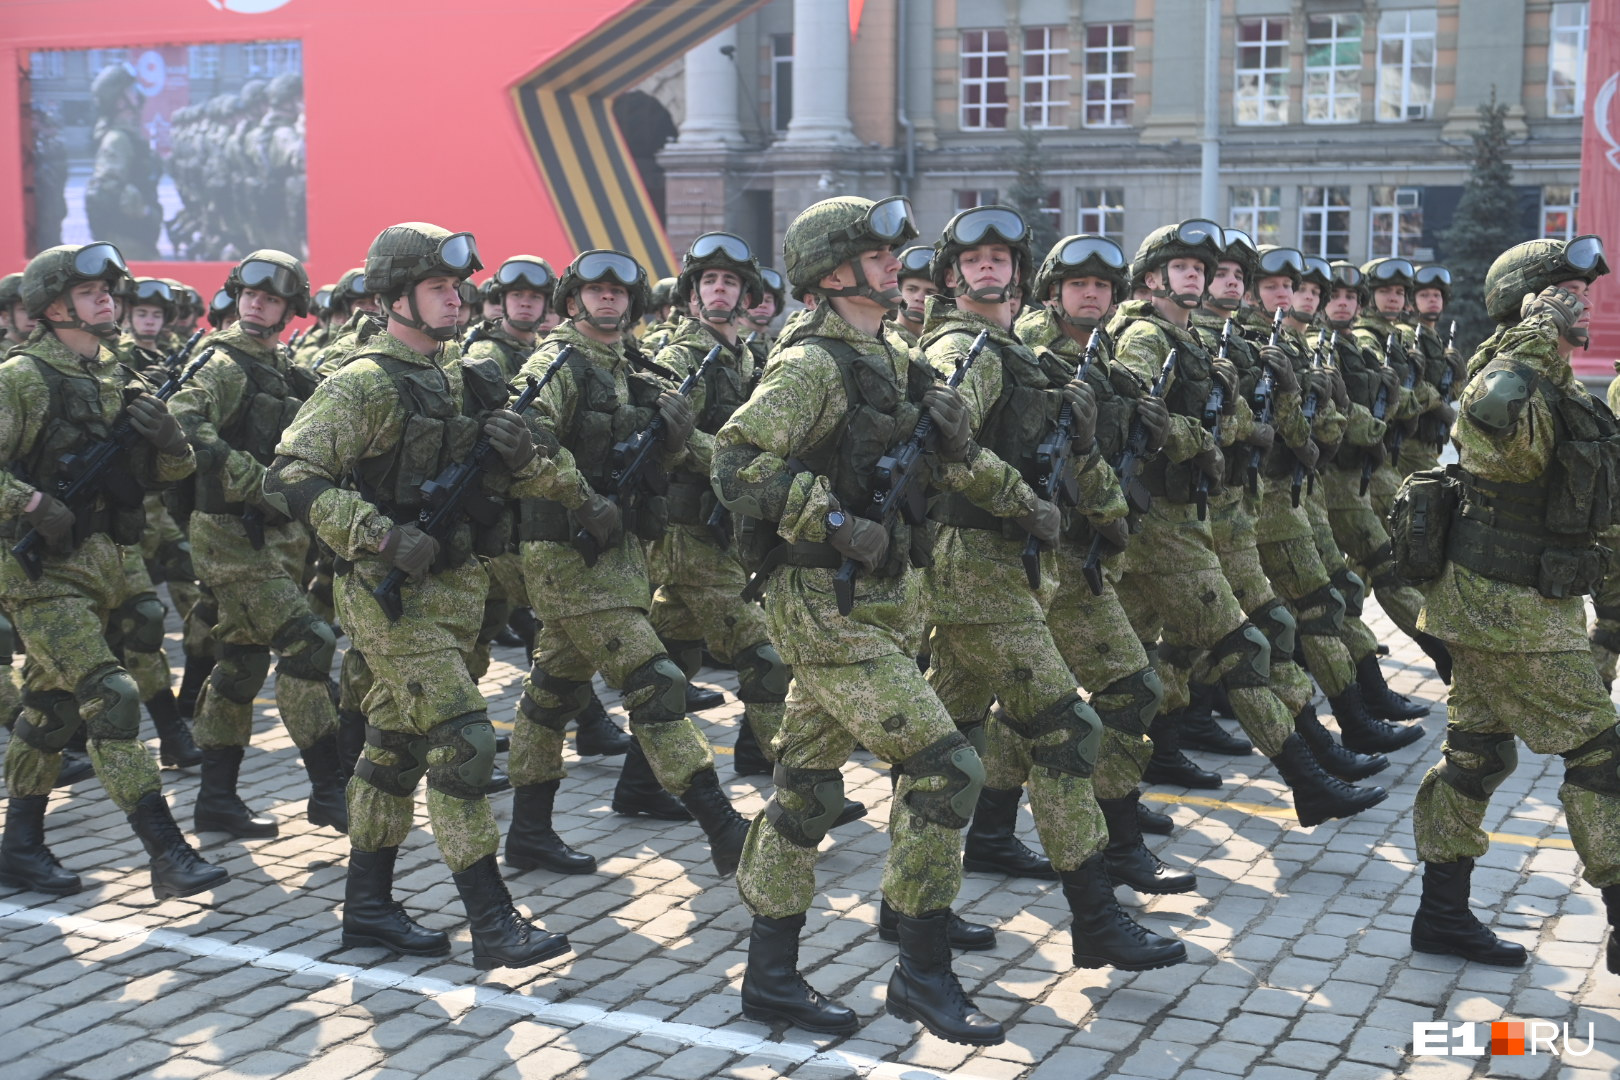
point(270, 400)
point(601, 421)
point(438, 431)
point(1278, 461)
point(1245, 356)
point(1429, 353)
point(1361, 384)
point(1186, 395)
point(1013, 427)
point(74, 424)
point(691, 497)
point(1544, 533)
point(1117, 389)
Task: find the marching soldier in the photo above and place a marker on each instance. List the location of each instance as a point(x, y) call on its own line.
point(120, 199)
point(916, 286)
point(1439, 363)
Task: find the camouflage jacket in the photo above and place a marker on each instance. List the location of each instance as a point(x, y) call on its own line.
point(1372, 332)
point(1142, 340)
point(496, 342)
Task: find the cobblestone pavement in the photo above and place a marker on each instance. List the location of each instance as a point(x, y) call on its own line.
point(1299, 968)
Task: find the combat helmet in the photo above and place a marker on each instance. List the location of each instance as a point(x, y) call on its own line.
point(917, 261)
point(1274, 260)
point(979, 226)
point(718, 251)
point(320, 301)
point(1317, 272)
point(1347, 275)
point(1195, 238)
point(285, 89)
point(221, 307)
point(111, 86)
point(57, 269)
point(350, 289)
point(155, 292)
point(1082, 255)
point(521, 272)
point(414, 251)
point(663, 294)
point(603, 264)
point(1395, 270)
point(276, 273)
point(840, 230)
point(1528, 268)
point(10, 290)
point(1434, 276)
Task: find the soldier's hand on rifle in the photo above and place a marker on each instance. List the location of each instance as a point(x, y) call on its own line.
point(1044, 522)
point(1392, 382)
point(1262, 435)
point(860, 539)
point(1282, 368)
point(509, 437)
point(1116, 533)
point(1377, 452)
point(153, 422)
point(1563, 306)
point(1155, 419)
point(1446, 413)
point(1307, 453)
point(1212, 463)
point(677, 414)
point(601, 518)
point(1227, 373)
point(950, 421)
point(1082, 401)
point(1341, 393)
point(1459, 369)
point(408, 548)
point(53, 520)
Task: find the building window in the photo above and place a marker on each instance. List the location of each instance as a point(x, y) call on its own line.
point(267, 59)
point(984, 80)
point(1261, 96)
point(1396, 222)
point(203, 60)
point(781, 81)
point(968, 198)
point(1258, 212)
point(1102, 211)
point(1566, 60)
point(1405, 65)
point(1324, 222)
point(46, 65)
point(1046, 77)
point(1559, 207)
point(1333, 69)
point(1109, 80)
point(97, 59)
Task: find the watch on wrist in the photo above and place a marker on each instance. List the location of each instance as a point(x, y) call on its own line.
point(835, 520)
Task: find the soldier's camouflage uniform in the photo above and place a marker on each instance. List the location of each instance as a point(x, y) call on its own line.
point(1606, 601)
point(1425, 349)
point(1522, 665)
point(120, 198)
point(1372, 330)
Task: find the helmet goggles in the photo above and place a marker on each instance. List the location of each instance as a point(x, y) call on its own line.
point(523, 274)
point(268, 277)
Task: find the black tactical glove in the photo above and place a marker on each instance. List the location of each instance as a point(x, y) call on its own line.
point(678, 420)
point(1155, 419)
point(1227, 373)
point(1116, 533)
point(53, 520)
point(408, 548)
point(1212, 463)
point(1262, 435)
point(1307, 453)
point(1459, 369)
point(1392, 382)
point(950, 415)
point(509, 437)
point(153, 422)
point(861, 539)
point(1082, 401)
point(1341, 393)
point(1282, 368)
point(600, 517)
point(1564, 306)
point(1044, 522)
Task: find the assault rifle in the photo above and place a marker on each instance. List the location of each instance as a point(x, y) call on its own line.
point(297, 336)
point(177, 359)
point(631, 459)
point(719, 520)
point(1309, 409)
point(457, 492)
point(1398, 439)
point(86, 474)
point(1266, 398)
point(1380, 409)
point(1214, 405)
point(1136, 448)
point(1055, 484)
point(897, 489)
point(1449, 378)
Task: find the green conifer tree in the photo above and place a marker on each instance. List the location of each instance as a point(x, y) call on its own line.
point(1486, 224)
point(1028, 195)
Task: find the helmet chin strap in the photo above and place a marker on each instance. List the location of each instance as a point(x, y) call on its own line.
point(889, 298)
point(911, 316)
point(1340, 324)
point(990, 294)
point(414, 320)
point(720, 314)
point(522, 326)
point(1227, 304)
point(106, 331)
point(603, 322)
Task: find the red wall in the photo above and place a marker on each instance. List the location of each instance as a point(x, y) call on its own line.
point(1600, 182)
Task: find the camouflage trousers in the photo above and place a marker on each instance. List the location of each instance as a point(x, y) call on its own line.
point(506, 591)
point(167, 553)
point(1232, 525)
point(262, 608)
point(317, 580)
point(886, 705)
point(1170, 577)
point(1358, 636)
point(1555, 703)
point(61, 620)
point(1362, 535)
point(419, 683)
point(10, 686)
point(1018, 665)
point(569, 651)
point(1605, 633)
point(1296, 569)
point(135, 628)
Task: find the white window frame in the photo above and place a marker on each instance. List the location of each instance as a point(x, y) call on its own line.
point(1270, 106)
point(1110, 66)
point(968, 198)
point(1567, 39)
point(1396, 30)
point(1257, 210)
point(202, 61)
point(1343, 78)
point(986, 55)
point(1569, 205)
point(47, 64)
point(1101, 211)
point(1046, 95)
point(781, 79)
point(1394, 222)
point(1313, 236)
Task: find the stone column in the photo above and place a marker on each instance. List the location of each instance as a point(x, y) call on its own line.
point(711, 94)
point(820, 75)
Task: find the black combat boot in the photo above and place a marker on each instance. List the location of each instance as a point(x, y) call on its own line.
point(1169, 765)
point(1335, 759)
point(1381, 701)
point(725, 828)
point(507, 638)
point(1199, 731)
point(992, 845)
point(774, 990)
point(964, 935)
point(76, 766)
point(526, 626)
point(1104, 934)
point(25, 861)
point(1128, 859)
point(1363, 732)
point(1611, 902)
point(371, 915)
point(749, 759)
point(1318, 796)
point(597, 734)
point(532, 842)
point(639, 794)
point(192, 681)
point(1151, 821)
point(1438, 654)
point(351, 740)
point(176, 747)
point(1444, 924)
point(177, 869)
point(501, 937)
point(498, 781)
point(219, 808)
point(924, 989)
point(700, 698)
point(328, 795)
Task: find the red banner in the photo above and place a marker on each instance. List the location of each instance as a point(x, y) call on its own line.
point(1600, 181)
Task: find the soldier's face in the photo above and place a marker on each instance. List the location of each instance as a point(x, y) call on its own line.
point(438, 302)
point(1275, 293)
point(260, 307)
point(1429, 301)
point(987, 266)
point(914, 294)
point(1086, 297)
point(1228, 283)
point(1584, 291)
point(1390, 299)
point(763, 312)
point(718, 290)
point(525, 305)
point(1307, 298)
point(146, 321)
point(492, 311)
point(602, 300)
point(21, 321)
point(1343, 305)
point(1182, 276)
point(91, 301)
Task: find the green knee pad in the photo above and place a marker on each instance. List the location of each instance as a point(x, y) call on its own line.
point(806, 803)
point(666, 700)
point(306, 646)
point(465, 772)
point(762, 676)
point(58, 720)
point(1277, 623)
point(574, 695)
point(1142, 694)
point(1330, 605)
point(1351, 587)
point(240, 672)
point(119, 715)
point(1501, 756)
point(140, 622)
point(953, 760)
point(1075, 753)
point(688, 655)
point(1601, 776)
point(1253, 651)
point(410, 752)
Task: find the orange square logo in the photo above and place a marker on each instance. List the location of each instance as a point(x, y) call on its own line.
point(1507, 1038)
